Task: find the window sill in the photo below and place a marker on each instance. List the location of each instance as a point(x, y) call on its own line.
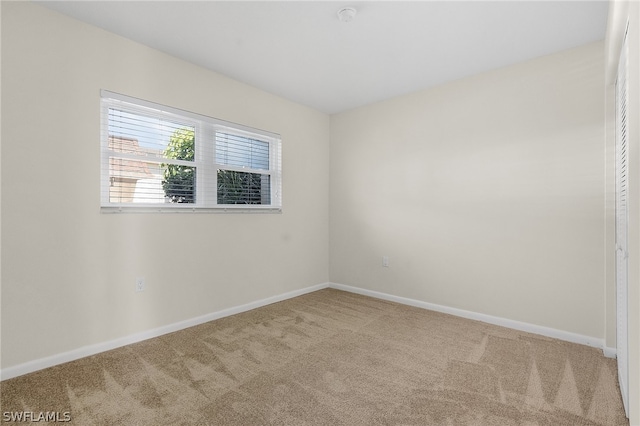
point(189, 209)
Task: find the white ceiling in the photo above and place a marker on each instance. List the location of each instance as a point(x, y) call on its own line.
point(301, 51)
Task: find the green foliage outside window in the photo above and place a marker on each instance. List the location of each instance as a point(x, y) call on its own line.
point(239, 187)
point(179, 180)
point(234, 187)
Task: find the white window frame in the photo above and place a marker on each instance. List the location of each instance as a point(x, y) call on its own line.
point(206, 199)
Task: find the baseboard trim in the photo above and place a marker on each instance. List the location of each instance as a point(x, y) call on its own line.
point(50, 361)
point(610, 352)
point(39, 364)
point(517, 325)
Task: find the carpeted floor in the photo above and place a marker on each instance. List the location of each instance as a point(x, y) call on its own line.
point(331, 358)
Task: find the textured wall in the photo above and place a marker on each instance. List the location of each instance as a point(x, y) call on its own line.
point(68, 271)
point(487, 193)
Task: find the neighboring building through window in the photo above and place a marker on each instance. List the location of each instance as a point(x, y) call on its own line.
point(162, 158)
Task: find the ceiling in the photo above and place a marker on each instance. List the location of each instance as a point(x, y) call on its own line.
point(301, 51)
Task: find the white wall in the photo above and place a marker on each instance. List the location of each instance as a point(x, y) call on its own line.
point(487, 194)
point(68, 272)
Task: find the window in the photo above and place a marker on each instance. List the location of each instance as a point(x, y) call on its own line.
point(164, 159)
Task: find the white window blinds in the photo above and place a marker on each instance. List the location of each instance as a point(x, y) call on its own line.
point(156, 157)
point(244, 175)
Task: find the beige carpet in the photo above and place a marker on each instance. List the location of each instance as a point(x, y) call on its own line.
point(332, 358)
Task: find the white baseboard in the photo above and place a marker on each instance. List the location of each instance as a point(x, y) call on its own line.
point(610, 352)
point(517, 325)
point(39, 364)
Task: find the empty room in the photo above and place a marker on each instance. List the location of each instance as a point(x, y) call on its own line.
point(318, 212)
